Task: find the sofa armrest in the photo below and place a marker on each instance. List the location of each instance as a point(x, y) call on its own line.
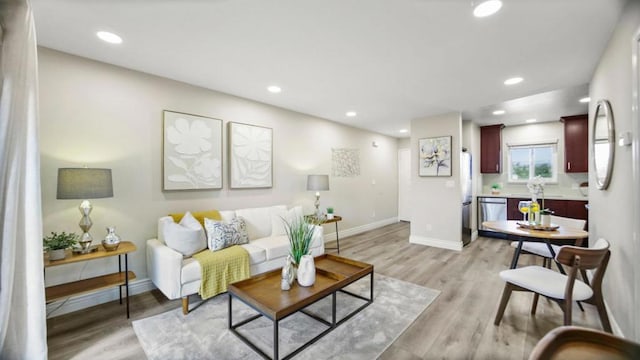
point(164, 266)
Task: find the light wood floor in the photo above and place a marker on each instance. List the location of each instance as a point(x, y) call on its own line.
point(457, 325)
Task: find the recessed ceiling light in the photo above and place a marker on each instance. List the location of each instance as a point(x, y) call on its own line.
point(109, 37)
point(403, 131)
point(351, 113)
point(585, 99)
point(513, 81)
point(487, 8)
point(530, 120)
point(499, 112)
point(274, 89)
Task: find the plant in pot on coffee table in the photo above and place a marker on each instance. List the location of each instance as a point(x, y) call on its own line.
point(56, 244)
point(300, 234)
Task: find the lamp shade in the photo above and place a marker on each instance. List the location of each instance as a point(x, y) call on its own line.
point(318, 182)
point(84, 183)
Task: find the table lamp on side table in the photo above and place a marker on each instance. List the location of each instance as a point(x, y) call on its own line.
point(318, 183)
point(84, 183)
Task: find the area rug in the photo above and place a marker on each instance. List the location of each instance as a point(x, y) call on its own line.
point(203, 334)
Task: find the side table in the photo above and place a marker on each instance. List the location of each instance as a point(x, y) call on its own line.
point(120, 279)
point(335, 220)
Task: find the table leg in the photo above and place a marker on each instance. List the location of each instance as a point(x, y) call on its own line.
point(275, 340)
point(516, 254)
point(333, 307)
point(120, 272)
point(337, 238)
point(126, 279)
point(230, 316)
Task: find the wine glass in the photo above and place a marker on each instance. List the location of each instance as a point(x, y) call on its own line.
point(523, 206)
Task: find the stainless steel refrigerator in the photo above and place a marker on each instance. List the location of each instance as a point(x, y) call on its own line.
point(467, 195)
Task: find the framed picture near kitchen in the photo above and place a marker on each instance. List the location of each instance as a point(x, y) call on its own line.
point(435, 156)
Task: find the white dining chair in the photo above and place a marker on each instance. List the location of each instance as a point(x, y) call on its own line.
point(540, 248)
point(559, 287)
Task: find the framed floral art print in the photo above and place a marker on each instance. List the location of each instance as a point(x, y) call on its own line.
point(192, 152)
point(435, 156)
point(250, 156)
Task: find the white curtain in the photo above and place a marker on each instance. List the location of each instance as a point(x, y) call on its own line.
point(22, 304)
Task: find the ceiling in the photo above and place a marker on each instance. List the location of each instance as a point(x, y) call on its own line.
point(390, 61)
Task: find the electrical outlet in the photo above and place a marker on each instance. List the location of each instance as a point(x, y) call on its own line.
point(373, 181)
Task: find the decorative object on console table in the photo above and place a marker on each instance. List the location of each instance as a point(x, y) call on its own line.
point(112, 240)
point(318, 183)
point(56, 244)
point(435, 156)
point(84, 183)
point(192, 152)
point(250, 156)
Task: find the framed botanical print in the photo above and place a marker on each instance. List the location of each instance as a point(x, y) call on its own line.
point(250, 156)
point(192, 152)
point(435, 156)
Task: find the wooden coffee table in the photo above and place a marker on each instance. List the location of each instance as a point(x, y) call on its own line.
point(262, 293)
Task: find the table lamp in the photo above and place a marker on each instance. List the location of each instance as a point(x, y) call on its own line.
point(318, 183)
point(84, 183)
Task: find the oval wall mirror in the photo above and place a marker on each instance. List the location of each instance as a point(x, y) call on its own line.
point(603, 143)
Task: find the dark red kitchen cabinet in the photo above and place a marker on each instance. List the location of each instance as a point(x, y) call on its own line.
point(490, 149)
point(576, 143)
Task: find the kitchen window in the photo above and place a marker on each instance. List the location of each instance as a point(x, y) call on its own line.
point(526, 161)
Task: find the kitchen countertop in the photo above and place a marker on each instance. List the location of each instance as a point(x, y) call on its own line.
point(528, 196)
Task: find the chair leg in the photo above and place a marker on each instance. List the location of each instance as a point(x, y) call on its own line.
point(506, 294)
point(602, 312)
point(185, 305)
point(534, 305)
point(566, 306)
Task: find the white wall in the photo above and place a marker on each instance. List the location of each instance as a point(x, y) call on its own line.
point(101, 115)
point(568, 183)
point(611, 213)
point(437, 201)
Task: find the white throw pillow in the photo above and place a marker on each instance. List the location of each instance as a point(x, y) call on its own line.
point(187, 237)
point(278, 217)
point(221, 235)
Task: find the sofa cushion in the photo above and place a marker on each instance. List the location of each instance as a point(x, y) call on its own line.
point(221, 235)
point(256, 253)
point(198, 215)
point(274, 246)
point(258, 220)
point(187, 237)
point(278, 217)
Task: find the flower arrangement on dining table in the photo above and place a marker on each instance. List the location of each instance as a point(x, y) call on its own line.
point(536, 188)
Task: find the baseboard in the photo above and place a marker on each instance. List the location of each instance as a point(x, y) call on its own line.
point(474, 235)
point(84, 301)
point(358, 229)
point(439, 243)
point(614, 324)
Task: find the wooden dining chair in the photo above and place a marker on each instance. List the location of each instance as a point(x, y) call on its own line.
point(541, 249)
point(562, 288)
point(577, 343)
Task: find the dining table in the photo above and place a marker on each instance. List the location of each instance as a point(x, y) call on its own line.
point(517, 230)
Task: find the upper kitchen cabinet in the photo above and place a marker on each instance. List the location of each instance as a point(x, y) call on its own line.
point(576, 143)
point(490, 153)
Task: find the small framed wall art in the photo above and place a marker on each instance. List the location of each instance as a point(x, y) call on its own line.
point(435, 156)
point(250, 156)
point(192, 152)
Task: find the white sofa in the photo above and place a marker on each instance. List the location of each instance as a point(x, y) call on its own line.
point(268, 246)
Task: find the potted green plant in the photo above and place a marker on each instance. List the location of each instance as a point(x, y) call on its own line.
point(329, 213)
point(495, 189)
point(300, 234)
point(56, 244)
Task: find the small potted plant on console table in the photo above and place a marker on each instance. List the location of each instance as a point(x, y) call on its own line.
point(329, 213)
point(56, 244)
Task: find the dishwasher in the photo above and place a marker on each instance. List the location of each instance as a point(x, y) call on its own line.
point(491, 209)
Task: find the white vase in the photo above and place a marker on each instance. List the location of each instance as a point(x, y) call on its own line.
point(306, 271)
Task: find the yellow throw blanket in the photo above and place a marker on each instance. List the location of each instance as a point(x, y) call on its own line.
point(220, 268)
